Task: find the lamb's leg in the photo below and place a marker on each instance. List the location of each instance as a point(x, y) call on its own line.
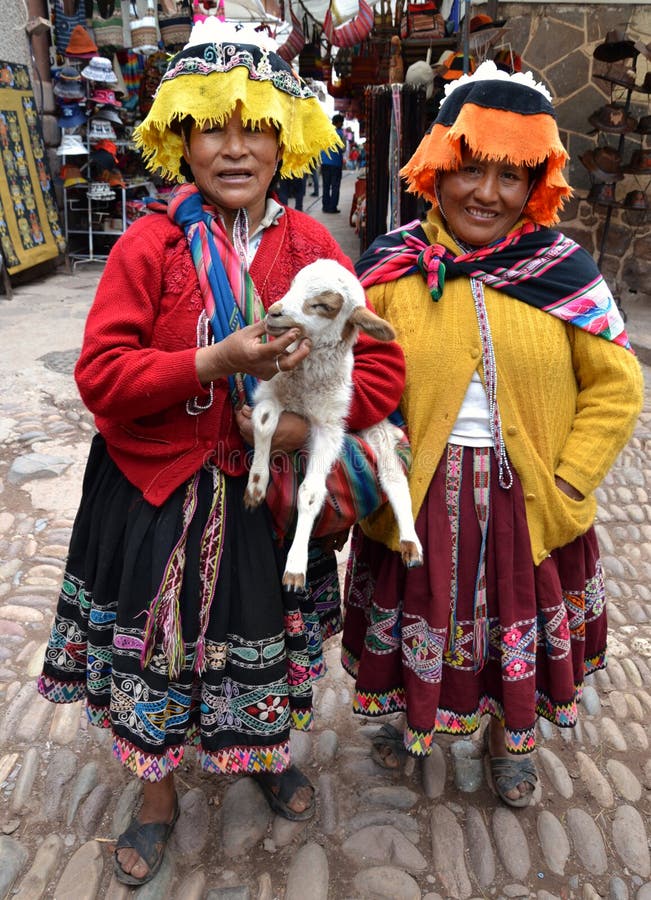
point(325, 446)
point(383, 438)
point(265, 419)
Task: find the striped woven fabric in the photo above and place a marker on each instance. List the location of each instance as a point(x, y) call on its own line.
point(534, 264)
point(350, 33)
point(353, 487)
point(294, 43)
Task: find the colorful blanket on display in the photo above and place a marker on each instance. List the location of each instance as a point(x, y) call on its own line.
point(30, 228)
point(534, 264)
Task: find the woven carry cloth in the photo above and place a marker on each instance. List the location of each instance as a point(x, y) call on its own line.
point(353, 487)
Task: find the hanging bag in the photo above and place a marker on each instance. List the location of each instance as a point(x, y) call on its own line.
point(421, 20)
point(365, 67)
point(107, 25)
point(383, 22)
point(144, 30)
point(174, 23)
point(350, 33)
point(294, 43)
point(310, 64)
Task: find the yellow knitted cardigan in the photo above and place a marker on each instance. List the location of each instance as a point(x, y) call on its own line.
point(568, 400)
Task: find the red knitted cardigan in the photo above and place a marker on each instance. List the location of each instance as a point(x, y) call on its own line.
point(136, 370)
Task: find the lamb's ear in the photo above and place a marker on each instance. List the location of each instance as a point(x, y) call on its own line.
point(372, 324)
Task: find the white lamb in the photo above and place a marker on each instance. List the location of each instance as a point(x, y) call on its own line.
point(327, 303)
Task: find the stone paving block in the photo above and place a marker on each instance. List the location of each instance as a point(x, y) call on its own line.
point(35, 881)
point(587, 841)
point(511, 842)
point(30, 765)
point(82, 875)
point(631, 840)
point(310, 858)
point(553, 841)
point(65, 723)
point(448, 854)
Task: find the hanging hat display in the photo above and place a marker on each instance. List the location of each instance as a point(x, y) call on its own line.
point(104, 96)
point(81, 45)
point(101, 130)
point(506, 60)
point(621, 72)
point(68, 90)
point(603, 163)
point(100, 191)
point(109, 113)
point(602, 193)
point(644, 125)
point(613, 119)
point(646, 84)
point(454, 64)
point(71, 115)
point(68, 84)
point(615, 47)
point(71, 176)
point(636, 200)
point(106, 146)
point(639, 164)
point(71, 145)
point(235, 65)
point(100, 69)
point(498, 116)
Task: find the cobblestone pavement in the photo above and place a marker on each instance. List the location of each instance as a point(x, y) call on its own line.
point(435, 831)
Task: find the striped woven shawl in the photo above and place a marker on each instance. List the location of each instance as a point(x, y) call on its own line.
point(537, 265)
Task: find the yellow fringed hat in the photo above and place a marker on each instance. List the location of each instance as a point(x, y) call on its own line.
point(497, 116)
point(222, 66)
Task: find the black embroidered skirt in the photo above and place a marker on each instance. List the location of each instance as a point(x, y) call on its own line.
point(254, 681)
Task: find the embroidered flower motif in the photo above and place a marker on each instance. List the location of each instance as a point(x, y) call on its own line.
point(453, 658)
point(516, 668)
point(512, 637)
point(269, 710)
point(564, 630)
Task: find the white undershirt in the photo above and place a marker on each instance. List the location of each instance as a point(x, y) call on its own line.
point(472, 428)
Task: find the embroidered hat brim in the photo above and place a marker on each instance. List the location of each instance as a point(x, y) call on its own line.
point(497, 116)
point(207, 82)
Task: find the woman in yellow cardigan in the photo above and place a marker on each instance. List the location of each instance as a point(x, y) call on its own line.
point(521, 391)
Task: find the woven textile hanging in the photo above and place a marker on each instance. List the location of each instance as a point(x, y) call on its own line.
point(385, 106)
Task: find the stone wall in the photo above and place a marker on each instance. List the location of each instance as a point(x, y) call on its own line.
point(14, 46)
point(557, 42)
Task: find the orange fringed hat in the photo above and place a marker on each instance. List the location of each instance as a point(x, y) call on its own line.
point(498, 116)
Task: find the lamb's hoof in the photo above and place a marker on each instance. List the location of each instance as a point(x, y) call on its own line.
point(294, 581)
point(253, 498)
point(411, 553)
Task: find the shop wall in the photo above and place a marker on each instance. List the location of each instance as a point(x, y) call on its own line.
point(557, 42)
point(14, 46)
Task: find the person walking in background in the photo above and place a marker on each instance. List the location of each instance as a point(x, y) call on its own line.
point(521, 391)
point(314, 175)
point(172, 624)
point(292, 187)
point(332, 164)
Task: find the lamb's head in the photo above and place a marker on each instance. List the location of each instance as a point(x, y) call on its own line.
point(327, 303)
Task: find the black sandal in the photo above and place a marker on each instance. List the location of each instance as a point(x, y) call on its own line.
point(388, 739)
point(279, 788)
point(149, 840)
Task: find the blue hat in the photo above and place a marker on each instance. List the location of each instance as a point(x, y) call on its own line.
point(71, 115)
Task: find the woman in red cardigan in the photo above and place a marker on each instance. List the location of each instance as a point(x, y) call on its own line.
point(172, 624)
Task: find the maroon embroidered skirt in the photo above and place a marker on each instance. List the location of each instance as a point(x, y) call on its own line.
point(409, 634)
